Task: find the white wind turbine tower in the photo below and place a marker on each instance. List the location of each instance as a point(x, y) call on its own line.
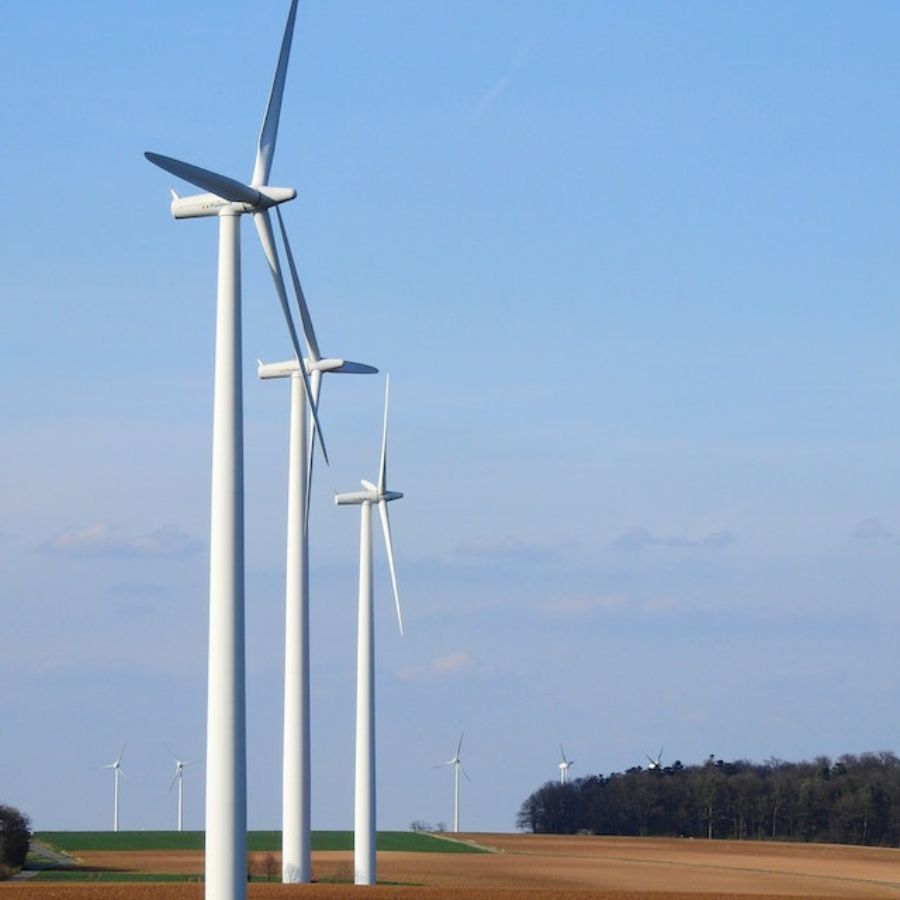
point(296, 792)
point(178, 780)
point(228, 199)
point(564, 767)
point(364, 799)
point(457, 766)
point(116, 766)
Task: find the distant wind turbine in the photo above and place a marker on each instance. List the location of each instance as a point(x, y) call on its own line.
point(179, 781)
point(655, 763)
point(364, 801)
point(456, 764)
point(116, 766)
point(564, 767)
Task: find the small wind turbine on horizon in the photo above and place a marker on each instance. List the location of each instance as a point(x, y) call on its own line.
point(116, 766)
point(457, 767)
point(655, 763)
point(228, 200)
point(364, 799)
point(296, 866)
point(178, 780)
point(564, 766)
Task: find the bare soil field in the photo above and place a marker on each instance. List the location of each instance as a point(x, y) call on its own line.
point(538, 867)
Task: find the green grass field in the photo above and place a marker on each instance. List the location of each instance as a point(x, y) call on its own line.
point(80, 876)
point(75, 841)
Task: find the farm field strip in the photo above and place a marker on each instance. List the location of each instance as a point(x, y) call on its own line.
point(797, 869)
point(84, 841)
point(537, 866)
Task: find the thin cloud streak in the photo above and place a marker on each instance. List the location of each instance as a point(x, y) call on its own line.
point(504, 549)
point(639, 538)
point(101, 539)
point(583, 605)
point(456, 663)
point(499, 87)
point(874, 529)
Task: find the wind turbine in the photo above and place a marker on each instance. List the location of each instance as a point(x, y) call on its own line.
point(364, 799)
point(180, 766)
point(655, 763)
point(457, 768)
point(564, 767)
point(229, 199)
point(116, 766)
point(295, 804)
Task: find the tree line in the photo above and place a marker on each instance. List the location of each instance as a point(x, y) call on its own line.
point(853, 800)
point(15, 839)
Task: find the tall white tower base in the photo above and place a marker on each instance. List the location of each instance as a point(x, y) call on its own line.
point(364, 810)
point(116, 802)
point(456, 799)
point(295, 807)
point(226, 755)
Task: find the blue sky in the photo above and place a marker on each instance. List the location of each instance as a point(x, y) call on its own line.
point(632, 269)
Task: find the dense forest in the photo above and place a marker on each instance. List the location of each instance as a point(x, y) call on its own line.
point(853, 800)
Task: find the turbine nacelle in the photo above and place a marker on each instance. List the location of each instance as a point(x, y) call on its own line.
point(292, 366)
point(199, 205)
point(371, 494)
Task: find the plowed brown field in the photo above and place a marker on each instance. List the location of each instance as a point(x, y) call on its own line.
point(538, 867)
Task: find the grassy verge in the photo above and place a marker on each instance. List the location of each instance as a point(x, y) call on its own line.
point(257, 841)
point(89, 875)
point(82, 876)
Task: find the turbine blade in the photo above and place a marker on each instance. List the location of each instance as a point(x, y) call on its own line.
point(459, 745)
point(382, 470)
point(308, 330)
point(269, 130)
point(220, 185)
point(563, 752)
point(389, 544)
point(264, 228)
point(461, 769)
point(121, 754)
point(174, 782)
point(355, 368)
point(310, 455)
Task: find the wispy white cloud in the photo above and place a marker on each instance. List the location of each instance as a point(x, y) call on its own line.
point(640, 538)
point(136, 589)
point(499, 87)
point(874, 529)
point(102, 539)
point(504, 549)
point(456, 663)
point(580, 605)
point(584, 604)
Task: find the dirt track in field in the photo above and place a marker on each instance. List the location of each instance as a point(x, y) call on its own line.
point(539, 867)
